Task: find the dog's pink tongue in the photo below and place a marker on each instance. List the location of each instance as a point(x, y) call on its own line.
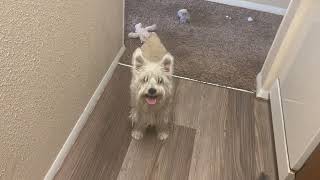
point(151, 101)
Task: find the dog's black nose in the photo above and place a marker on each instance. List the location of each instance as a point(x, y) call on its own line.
point(152, 91)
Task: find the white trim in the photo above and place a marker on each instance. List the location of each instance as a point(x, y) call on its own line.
point(261, 93)
point(252, 5)
point(312, 145)
point(203, 82)
point(83, 119)
point(278, 65)
point(280, 140)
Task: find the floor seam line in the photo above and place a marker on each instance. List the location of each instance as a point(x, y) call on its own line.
point(203, 82)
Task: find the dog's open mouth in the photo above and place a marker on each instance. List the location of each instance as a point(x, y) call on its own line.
point(151, 100)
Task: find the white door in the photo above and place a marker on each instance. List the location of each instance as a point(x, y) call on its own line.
point(300, 88)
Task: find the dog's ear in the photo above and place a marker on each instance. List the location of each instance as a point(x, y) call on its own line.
point(167, 63)
point(137, 59)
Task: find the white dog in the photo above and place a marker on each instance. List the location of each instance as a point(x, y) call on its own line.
point(151, 88)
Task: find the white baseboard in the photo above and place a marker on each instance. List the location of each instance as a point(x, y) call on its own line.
point(261, 93)
point(279, 133)
point(83, 118)
point(252, 5)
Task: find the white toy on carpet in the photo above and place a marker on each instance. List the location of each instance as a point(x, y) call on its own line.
point(183, 16)
point(141, 32)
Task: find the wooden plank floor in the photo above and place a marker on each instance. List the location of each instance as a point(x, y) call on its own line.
point(219, 134)
point(153, 159)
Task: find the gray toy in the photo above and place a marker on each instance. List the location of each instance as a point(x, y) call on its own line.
point(183, 16)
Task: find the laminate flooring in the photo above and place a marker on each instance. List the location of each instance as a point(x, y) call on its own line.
point(218, 134)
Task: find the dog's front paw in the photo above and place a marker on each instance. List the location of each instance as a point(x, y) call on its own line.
point(163, 136)
point(137, 134)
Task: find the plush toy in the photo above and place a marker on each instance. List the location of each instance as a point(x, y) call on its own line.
point(141, 32)
point(183, 16)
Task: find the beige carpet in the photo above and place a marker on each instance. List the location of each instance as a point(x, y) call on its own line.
point(212, 48)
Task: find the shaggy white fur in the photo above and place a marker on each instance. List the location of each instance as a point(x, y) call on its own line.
point(151, 91)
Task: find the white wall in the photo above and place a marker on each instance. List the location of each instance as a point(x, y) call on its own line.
point(271, 6)
point(276, 3)
point(292, 67)
point(276, 62)
point(300, 87)
point(53, 55)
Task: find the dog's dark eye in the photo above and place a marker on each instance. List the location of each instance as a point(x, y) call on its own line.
point(145, 79)
point(160, 80)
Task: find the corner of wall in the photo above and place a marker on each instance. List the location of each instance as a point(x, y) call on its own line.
point(261, 93)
